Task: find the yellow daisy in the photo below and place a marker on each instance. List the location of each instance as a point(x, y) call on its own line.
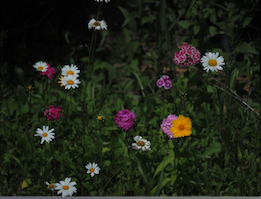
point(181, 127)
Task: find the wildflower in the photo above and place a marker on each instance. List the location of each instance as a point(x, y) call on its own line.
point(41, 66)
point(102, 0)
point(66, 187)
point(92, 168)
point(29, 88)
point(49, 72)
point(50, 186)
point(164, 81)
point(211, 61)
point(181, 127)
point(53, 113)
point(46, 134)
point(70, 81)
point(167, 124)
point(125, 119)
point(70, 70)
point(142, 144)
point(187, 56)
point(100, 118)
point(183, 95)
point(97, 25)
point(60, 82)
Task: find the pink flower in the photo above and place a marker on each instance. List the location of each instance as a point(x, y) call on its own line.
point(164, 81)
point(166, 125)
point(125, 119)
point(53, 113)
point(160, 83)
point(50, 72)
point(168, 84)
point(187, 56)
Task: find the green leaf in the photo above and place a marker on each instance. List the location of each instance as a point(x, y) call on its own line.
point(184, 24)
point(164, 182)
point(215, 148)
point(105, 149)
point(196, 29)
point(16, 159)
point(234, 75)
point(147, 19)
point(246, 21)
point(212, 30)
point(174, 175)
point(163, 164)
point(245, 48)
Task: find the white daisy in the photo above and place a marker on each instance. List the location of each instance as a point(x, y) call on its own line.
point(46, 134)
point(41, 66)
point(92, 168)
point(70, 70)
point(142, 144)
point(66, 187)
point(211, 61)
point(98, 25)
point(70, 81)
point(102, 0)
point(50, 186)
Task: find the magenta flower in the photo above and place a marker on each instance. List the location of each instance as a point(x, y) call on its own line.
point(160, 83)
point(187, 56)
point(50, 72)
point(166, 125)
point(125, 119)
point(53, 113)
point(164, 81)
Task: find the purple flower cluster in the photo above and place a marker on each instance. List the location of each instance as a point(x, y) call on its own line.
point(187, 56)
point(53, 113)
point(124, 119)
point(164, 81)
point(166, 125)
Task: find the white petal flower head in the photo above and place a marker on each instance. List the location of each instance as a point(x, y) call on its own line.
point(70, 81)
point(92, 168)
point(97, 25)
point(66, 187)
point(46, 134)
point(211, 61)
point(70, 70)
point(102, 0)
point(50, 186)
point(142, 144)
point(41, 66)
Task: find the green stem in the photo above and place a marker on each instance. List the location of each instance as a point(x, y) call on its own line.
point(118, 171)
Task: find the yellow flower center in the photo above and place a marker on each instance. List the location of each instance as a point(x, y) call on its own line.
point(45, 134)
point(65, 187)
point(212, 62)
point(140, 143)
point(91, 170)
point(30, 88)
point(70, 82)
point(99, 117)
point(40, 68)
point(70, 72)
point(96, 23)
point(51, 186)
point(181, 127)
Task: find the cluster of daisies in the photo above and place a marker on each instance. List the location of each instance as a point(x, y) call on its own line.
point(66, 187)
point(69, 77)
point(189, 56)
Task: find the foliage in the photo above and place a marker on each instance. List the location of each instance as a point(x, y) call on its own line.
point(220, 158)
